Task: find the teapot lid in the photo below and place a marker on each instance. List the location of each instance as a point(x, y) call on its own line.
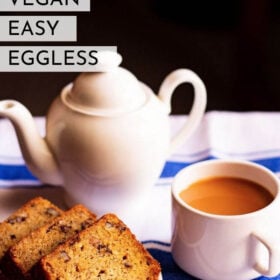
point(110, 92)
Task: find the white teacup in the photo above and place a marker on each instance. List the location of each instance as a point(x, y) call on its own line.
point(227, 247)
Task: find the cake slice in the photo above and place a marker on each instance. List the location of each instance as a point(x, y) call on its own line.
point(107, 250)
point(30, 216)
point(21, 257)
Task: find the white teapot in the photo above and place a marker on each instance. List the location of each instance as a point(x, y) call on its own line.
point(107, 136)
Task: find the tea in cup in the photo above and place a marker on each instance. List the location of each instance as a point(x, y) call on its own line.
point(226, 196)
point(225, 220)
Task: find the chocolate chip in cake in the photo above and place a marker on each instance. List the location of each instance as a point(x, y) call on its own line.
point(73, 240)
point(17, 219)
point(77, 268)
point(101, 272)
point(50, 228)
point(13, 236)
point(127, 265)
point(122, 229)
point(65, 228)
point(102, 248)
point(87, 223)
point(148, 261)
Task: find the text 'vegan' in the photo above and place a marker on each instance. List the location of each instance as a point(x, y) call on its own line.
point(46, 2)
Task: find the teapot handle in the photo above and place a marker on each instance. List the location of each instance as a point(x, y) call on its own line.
point(166, 91)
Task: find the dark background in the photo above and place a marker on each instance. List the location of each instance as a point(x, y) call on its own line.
point(234, 46)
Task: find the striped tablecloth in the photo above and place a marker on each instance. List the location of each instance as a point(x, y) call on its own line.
point(253, 136)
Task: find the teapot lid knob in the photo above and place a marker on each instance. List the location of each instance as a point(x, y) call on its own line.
point(110, 92)
point(108, 60)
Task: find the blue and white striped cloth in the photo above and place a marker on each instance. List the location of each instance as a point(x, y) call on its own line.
point(252, 136)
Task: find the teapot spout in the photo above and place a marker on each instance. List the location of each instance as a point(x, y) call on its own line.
point(35, 150)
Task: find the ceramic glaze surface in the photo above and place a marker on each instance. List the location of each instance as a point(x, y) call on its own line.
point(107, 136)
point(219, 247)
point(109, 154)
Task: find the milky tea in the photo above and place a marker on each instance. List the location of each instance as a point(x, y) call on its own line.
point(226, 196)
